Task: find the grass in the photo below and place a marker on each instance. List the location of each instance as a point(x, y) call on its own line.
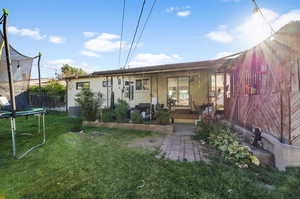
point(82, 166)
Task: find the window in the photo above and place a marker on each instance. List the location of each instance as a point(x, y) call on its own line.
point(253, 83)
point(80, 85)
point(178, 90)
point(142, 84)
point(106, 83)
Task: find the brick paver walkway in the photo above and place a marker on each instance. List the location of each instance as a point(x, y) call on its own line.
point(180, 145)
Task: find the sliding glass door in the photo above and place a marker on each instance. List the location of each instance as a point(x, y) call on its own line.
point(178, 90)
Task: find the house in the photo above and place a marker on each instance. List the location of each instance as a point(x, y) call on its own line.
point(189, 84)
point(262, 90)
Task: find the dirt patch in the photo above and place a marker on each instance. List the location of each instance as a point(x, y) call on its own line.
point(146, 142)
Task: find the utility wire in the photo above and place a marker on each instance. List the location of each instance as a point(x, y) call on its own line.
point(144, 26)
point(136, 30)
point(259, 10)
point(122, 30)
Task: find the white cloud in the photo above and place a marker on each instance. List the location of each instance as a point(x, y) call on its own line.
point(176, 9)
point(33, 33)
point(184, 13)
point(103, 43)
point(254, 28)
point(57, 64)
point(148, 59)
point(86, 67)
point(56, 39)
point(60, 61)
point(89, 34)
point(222, 54)
point(180, 11)
point(176, 56)
point(89, 53)
point(235, 1)
point(220, 36)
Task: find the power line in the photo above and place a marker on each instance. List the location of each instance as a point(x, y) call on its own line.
point(260, 11)
point(144, 26)
point(136, 30)
point(122, 30)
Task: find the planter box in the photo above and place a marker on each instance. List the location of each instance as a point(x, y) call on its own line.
point(142, 127)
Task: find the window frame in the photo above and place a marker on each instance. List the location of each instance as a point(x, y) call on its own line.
point(142, 86)
point(177, 90)
point(82, 83)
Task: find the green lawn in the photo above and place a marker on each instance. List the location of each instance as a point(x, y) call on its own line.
point(84, 166)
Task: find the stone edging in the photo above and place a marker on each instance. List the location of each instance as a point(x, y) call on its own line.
point(168, 129)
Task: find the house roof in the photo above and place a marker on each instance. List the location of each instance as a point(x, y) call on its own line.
point(178, 67)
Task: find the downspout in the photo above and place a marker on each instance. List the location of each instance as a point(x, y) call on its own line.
point(107, 101)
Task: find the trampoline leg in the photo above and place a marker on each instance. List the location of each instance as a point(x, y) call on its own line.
point(13, 135)
point(39, 124)
point(39, 130)
point(44, 128)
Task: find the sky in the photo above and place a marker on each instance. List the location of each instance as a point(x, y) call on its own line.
point(86, 34)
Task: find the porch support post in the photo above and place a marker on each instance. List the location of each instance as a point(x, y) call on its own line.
point(157, 102)
point(216, 92)
point(150, 98)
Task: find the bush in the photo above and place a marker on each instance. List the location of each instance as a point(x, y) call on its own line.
point(163, 116)
point(108, 115)
point(121, 111)
point(136, 117)
point(89, 103)
point(222, 137)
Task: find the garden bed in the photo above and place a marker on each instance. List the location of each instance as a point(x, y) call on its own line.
point(168, 129)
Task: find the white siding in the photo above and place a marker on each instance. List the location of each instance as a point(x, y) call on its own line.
point(140, 96)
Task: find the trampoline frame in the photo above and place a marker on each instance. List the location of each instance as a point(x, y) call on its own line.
point(13, 114)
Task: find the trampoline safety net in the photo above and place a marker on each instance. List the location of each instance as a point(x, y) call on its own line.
point(21, 70)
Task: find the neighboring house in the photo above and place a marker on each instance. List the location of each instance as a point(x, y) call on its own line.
point(263, 90)
point(189, 84)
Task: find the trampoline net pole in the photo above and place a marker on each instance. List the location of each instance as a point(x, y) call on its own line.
point(8, 63)
point(13, 135)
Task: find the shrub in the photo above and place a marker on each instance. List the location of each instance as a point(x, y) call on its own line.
point(121, 111)
point(136, 117)
point(89, 103)
point(163, 116)
point(222, 137)
point(107, 115)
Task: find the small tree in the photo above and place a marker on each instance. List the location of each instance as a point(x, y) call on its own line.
point(121, 111)
point(89, 103)
point(67, 70)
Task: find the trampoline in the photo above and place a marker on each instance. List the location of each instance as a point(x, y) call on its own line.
point(15, 73)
